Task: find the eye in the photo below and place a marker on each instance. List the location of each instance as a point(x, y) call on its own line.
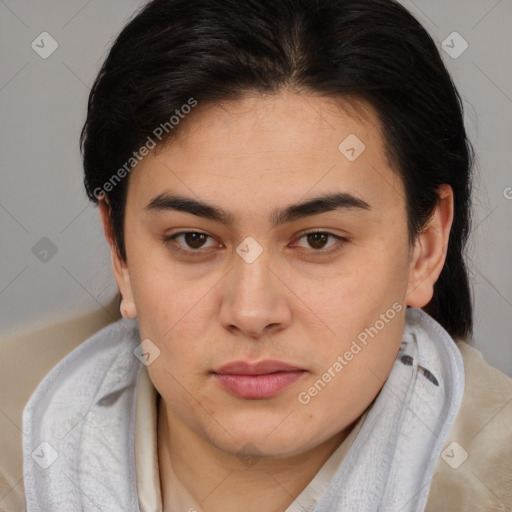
point(317, 240)
point(192, 241)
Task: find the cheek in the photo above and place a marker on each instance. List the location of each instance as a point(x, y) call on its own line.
point(167, 303)
point(180, 373)
point(356, 293)
point(352, 369)
point(363, 314)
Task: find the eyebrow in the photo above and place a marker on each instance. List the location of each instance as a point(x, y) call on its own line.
point(320, 204)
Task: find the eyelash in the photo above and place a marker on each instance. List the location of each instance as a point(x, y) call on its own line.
point(168, 239)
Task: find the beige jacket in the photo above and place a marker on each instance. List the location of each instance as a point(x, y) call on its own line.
point(474, 472)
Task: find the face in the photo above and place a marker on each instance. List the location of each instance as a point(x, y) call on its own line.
point(305, 305)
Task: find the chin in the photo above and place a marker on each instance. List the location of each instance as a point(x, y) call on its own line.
point(256, 436)
point(259, 447)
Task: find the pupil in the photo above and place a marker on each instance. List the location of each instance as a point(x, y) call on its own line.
point(317, 240)
point(194, 240)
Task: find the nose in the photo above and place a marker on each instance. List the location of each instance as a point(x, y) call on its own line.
point(255, 301)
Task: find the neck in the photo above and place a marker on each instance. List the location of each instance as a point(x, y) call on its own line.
point(219, 481)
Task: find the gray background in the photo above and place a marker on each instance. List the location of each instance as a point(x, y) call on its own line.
point(43, 105)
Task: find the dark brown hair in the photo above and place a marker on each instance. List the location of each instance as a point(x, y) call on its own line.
point(175, 50)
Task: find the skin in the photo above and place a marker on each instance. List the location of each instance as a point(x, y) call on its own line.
point(295, 303)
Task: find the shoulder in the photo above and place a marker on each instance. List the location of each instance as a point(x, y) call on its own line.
point(474, 471)
point(26, 360)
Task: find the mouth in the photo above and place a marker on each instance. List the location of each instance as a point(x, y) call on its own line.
point(257, 381)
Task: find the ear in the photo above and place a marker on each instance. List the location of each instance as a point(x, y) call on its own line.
point(429, 252)
point(119, 266)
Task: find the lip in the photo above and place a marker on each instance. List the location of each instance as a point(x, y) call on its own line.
point(260, 380)
point(259, 368)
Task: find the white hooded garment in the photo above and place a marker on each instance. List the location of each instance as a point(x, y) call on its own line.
point(79, 427)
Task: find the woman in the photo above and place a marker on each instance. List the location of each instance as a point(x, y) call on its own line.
point(285, 188)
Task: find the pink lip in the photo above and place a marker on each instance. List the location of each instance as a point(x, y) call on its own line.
point(257, 380)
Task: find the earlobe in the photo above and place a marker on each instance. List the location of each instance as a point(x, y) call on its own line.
point(127, 309)
point(119, 266)
point(429, 253)
point(122, 275)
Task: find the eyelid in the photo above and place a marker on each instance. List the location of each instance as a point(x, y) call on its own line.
point(169, 239)
point(340, 241)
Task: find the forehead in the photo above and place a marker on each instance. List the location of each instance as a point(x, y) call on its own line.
point(271, 149)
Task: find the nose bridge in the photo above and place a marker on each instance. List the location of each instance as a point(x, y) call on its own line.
point(253, 299)
point(251, 276)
